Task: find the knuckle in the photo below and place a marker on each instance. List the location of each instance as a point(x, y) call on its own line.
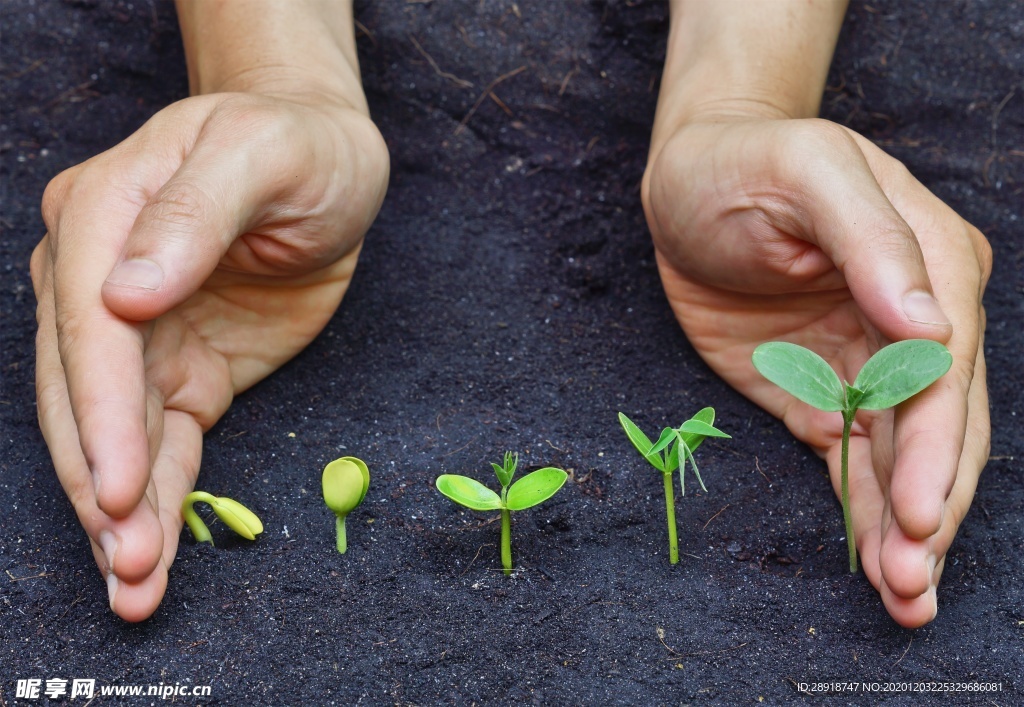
point(70, 331)
point(963, 375)
point(51, 394)
point(177, 207)
point(820, 137)
point(248, 119)
point(984, 252)
point(37, 265)
point(54, 196)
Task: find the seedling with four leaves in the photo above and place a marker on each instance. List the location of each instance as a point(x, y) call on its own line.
point(531, 490)
point(892, 375)
point(672, 450)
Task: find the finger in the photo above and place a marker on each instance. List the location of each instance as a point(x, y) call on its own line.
point(174, 475)
point(130, 545)
point(930, 429)
point(902, 555)
point(100, 354)
point(854, 223)
point(135, 601)
point(910, 613)
point(231, 179)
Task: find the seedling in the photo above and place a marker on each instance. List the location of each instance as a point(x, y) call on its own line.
point(664, 455)
point(534, 488)
point(345, 482)
point(236, 516)
point(894, 374)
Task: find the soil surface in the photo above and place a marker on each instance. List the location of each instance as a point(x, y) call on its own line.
point(507, 298)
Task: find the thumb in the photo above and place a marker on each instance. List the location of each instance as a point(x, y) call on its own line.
point(186, 227)
point(871, 244)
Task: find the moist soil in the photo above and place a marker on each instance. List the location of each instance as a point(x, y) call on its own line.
point(507, 298)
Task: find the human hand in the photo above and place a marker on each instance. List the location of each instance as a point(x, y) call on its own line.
point(179, 268)
point(804, 231)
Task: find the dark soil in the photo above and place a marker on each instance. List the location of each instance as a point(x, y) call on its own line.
point(507, 298)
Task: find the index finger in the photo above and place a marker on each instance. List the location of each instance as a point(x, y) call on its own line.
point(102, 354)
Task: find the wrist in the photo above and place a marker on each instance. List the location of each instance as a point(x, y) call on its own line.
point(735, 60)
point(301, 50)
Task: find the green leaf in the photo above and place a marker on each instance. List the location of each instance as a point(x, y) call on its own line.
point(535, 488)
point(642, 443)
point(704, 415)
point(703, 429)
point(668, 435)
point(853, 397)
point(237, 517)
point(511, 461)
point(344, 484)
point(900, 371)
point(507, 469)
point(503, 476)
point(682, 469)
point(468, 492)
point(672, 460)
point(801, 373)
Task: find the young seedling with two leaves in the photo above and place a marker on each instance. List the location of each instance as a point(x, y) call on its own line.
point(892, 375)
point(531, 490)
point(345, 483)
point(234, 515)
point(674, 447)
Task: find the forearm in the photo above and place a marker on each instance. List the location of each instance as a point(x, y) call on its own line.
point(278, 47)
point(745, 57)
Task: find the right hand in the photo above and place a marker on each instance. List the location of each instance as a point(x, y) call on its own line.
point(804, 231)
point(178, 269)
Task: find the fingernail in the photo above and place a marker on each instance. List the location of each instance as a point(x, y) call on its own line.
point(935, 601)
point(112, 585)
point(141, 273)
point(108, 541)
point(921, 307)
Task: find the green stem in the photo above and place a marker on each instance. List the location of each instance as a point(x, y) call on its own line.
point(670, 514)
point(844, 479)
point(339, 525)
point(199, 530)
point(506, 540)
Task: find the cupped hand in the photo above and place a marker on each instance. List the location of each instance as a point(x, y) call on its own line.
point(804, 231)
point(179, 268)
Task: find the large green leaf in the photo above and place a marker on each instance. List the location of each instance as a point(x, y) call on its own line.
point(801, 373)
point(900, 371)
point(534, 488)
point(642, 442)
point(468, 492)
